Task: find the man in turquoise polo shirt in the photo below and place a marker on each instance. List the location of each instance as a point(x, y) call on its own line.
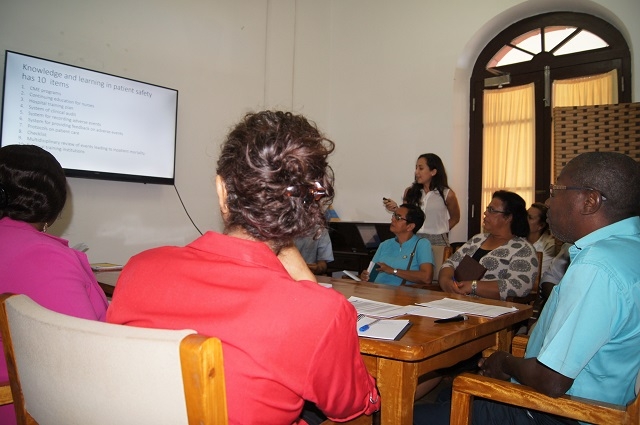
point(406, 258)
point(587, 340)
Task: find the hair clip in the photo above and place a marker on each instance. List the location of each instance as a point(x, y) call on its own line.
point(308, 192)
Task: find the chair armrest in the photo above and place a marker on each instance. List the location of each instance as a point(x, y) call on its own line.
point(519, 345)
point(527, 299)
point(467, 385)
point(5, 393)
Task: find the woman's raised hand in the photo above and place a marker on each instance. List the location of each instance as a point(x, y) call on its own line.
point(390, 204)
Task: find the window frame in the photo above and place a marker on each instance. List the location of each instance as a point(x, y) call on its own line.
point(616, 55)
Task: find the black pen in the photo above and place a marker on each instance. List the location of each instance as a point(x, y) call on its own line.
point(458, 318)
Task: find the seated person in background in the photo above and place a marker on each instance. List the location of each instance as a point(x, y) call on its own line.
point(286, 339)
point(556, 270)
point(33, 192)
point(317, 252)
point(587, 341)
point(539, 235)
point(406, 258)
point(511, 261)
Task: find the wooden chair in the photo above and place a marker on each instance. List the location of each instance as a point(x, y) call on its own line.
point(440, 254)
point(467, 386)
point(66, 370)
point(5, 394)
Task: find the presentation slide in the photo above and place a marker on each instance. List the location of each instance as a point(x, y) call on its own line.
point(89, 120)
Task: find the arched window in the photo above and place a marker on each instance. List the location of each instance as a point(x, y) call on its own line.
point(554, 59)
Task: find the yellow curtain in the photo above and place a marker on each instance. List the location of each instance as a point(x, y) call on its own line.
point(508, 159)
point(586, 91)
point(601, 89)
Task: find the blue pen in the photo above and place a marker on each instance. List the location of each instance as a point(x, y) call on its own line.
point(368, 325)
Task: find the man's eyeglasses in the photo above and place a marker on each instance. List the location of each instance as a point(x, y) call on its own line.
point(554, 187)
point(397, 216)
point(308, 192)
point(492, 210)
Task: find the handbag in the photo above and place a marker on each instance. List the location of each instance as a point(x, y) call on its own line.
point(469, 269)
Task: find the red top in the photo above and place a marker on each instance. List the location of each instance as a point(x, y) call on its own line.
point(283, 341)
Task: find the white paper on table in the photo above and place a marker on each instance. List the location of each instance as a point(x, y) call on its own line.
point(384, 329)
point(379, 309)
point(326, 285)
point(436, 313)
point(469, 307)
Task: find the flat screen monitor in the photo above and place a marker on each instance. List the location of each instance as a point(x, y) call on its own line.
point(369, 235)
point(97, 125)
point(358, 236)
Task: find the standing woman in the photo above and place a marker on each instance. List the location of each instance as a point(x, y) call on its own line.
point(432, 193)
point(33, 191)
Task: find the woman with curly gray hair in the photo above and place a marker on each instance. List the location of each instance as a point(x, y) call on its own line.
point(286, 339)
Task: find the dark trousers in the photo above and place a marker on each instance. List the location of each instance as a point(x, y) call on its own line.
point(485, 412)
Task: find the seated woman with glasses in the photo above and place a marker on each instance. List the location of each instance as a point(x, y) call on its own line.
point(407, 258)
point(286, 340)
point(510, 260)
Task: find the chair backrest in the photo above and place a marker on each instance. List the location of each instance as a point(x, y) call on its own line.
point(66, 370)
point(536, 283)
point(440, 254)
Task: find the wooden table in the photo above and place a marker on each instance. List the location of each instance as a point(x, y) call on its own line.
point(107, 281)
point(426, 347)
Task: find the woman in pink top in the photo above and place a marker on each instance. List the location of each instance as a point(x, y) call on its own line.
point(33, 191)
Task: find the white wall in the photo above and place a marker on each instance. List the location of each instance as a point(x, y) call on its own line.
point(386, 80)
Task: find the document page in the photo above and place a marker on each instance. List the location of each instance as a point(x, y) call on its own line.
point(469, 307)
point(378, 309)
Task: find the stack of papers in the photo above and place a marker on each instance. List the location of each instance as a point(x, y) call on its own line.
point(383, 329)
point(467, 307)
point(440, 309)
point(378, 309)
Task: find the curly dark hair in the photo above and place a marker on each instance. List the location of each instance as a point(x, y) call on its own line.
point(515, 206)
point(264, 155)
point(439, 181)
point(33, 182)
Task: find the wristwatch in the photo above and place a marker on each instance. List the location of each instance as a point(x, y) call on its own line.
point(474, 287)
point(395, 272)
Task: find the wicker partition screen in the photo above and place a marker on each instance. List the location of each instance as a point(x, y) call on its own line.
point(578, 129)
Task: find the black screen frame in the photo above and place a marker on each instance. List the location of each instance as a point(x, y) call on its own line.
point(93, 174)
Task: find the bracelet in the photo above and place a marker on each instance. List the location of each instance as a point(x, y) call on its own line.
point(474, 287)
